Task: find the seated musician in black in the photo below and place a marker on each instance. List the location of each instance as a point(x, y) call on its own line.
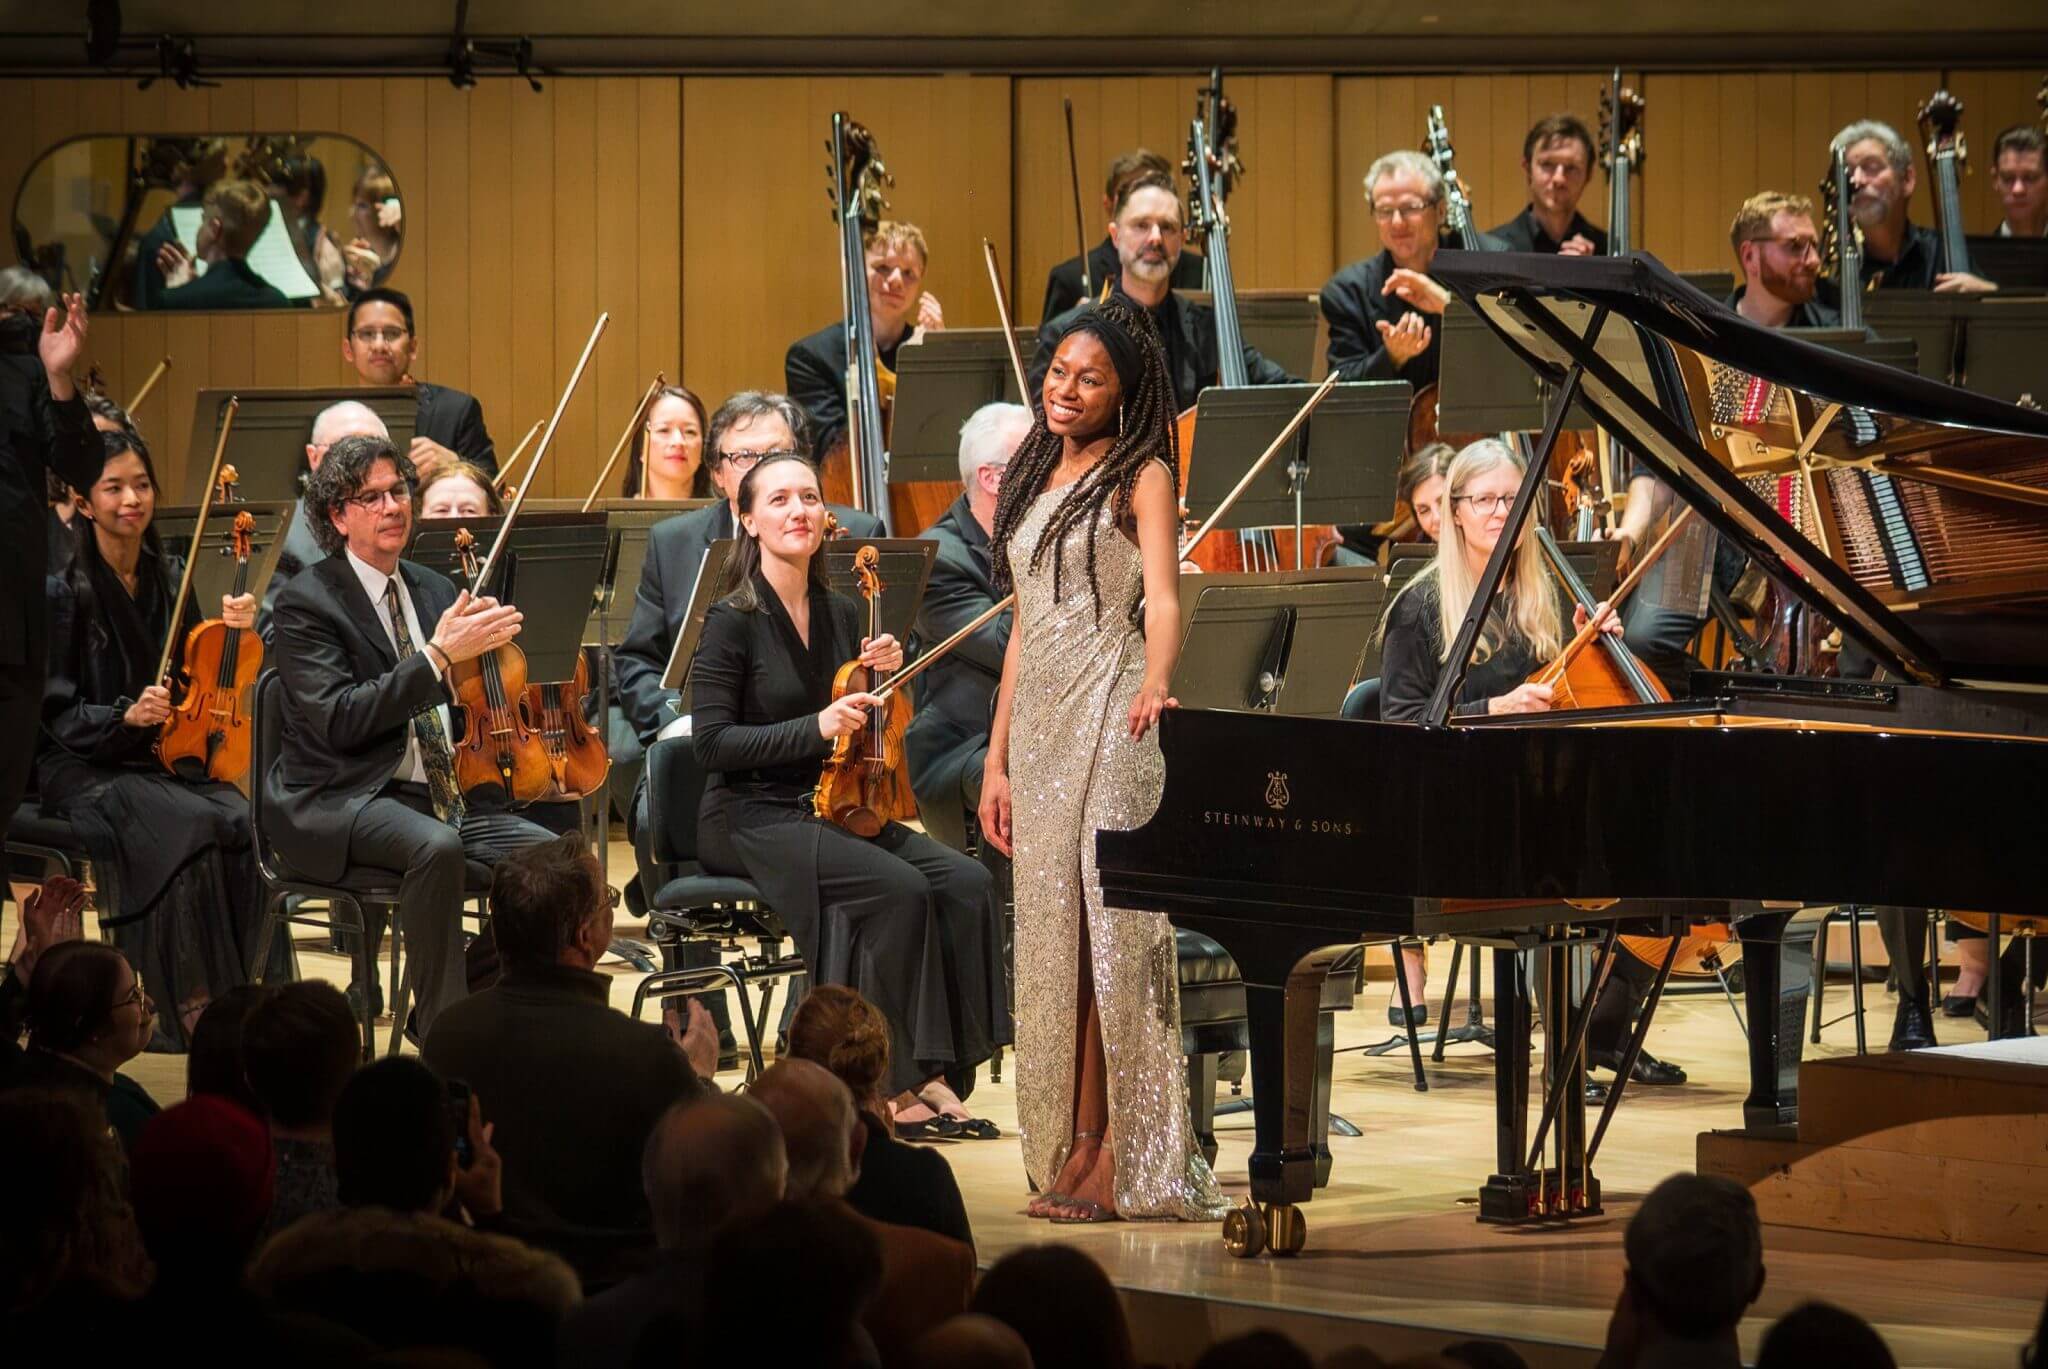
point(1777, 251)
point(2019, 168)
point(1148, 231)
point(1063, 284)
point(172, 850)
point(232, 219)
point(1898, 254)
point(901, 309)
point(1557, 159)
point(365, 774)
point(383, 346)
point(1385, 313)
point(908, 923)
point(948, 737)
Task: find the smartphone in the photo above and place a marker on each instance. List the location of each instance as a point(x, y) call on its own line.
point(458, 1120)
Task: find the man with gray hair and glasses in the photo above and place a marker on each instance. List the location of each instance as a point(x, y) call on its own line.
point(1898, 254)
point(1385, 313)
point(948, 737)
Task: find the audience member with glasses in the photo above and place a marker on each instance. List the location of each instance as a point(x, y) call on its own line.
point(88, 1014)
point(1524, 628)
point(382, 342)
point(1385, 313)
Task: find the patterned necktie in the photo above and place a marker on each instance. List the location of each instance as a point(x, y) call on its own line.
point(426, 727)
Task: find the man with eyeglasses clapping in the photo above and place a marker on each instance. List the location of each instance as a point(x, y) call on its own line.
point(382, 344)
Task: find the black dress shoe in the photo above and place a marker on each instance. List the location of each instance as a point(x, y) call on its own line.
point(355, 999)
point(1959, 1005)
point(2012, 1007)
point(1913, 1026)
point(1414, 1017)
point(1648, 1069)
point(1596, 1093)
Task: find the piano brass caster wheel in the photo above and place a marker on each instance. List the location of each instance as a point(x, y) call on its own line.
point(1286, 1230)
point(1244, 1232)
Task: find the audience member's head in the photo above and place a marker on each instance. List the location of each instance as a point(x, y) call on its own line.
point(837, 1028)
point(711, 1163)
point(551, 906)
point(1695, 1257)
point(86, 1002)
point(394, 1145)
point(299, 1047)
point(66, 1224)
point(819, 1247)
point(1821, 1333)
point(1484, 1354)
point(201, 1175)
point(1261, 1349)
point(1061, 1303)
point(214, 1063)
point(970, 1338)
point(821, 1130)
point(23, 291)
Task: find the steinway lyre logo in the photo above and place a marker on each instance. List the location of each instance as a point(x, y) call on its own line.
point(1277, 796)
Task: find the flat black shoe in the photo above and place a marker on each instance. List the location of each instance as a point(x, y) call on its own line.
point(1913, 1026)
point(1648, 1069)
point(1959, 1005)
point(1415, 1017)
point(1596, 1093)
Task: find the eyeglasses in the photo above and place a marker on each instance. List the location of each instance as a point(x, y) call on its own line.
point(394, 336)
point(1412, 209)
point(371, 500)
point(137, 996)
point(1484, 503)
point(1798, 247)
point(742, 460)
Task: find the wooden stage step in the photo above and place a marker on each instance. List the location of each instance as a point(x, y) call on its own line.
point(1942, 1145)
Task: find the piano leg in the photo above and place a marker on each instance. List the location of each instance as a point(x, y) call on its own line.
point(1508, 1194)
point(1777, 976)
point(1518, 1192)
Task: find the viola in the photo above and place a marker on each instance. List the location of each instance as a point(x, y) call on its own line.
point(501, 747)
point(209, 728)
point(865, 783)
point(577, 755)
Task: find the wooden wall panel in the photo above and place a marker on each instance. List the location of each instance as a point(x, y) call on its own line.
point(694, 209)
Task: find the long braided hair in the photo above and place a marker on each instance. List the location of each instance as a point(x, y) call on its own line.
point(1145, 430)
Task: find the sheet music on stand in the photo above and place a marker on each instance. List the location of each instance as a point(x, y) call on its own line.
point(1345, 459)
point(940, 381)
point(214, 575)
point(1285, 642)
point(549, 569)
point(1282, 324)
point(708, 590)
point(267, 446)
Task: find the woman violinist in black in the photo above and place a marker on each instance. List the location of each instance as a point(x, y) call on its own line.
point(173, 852)
point(904, 920)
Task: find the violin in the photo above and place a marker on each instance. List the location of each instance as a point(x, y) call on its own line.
point(1212, 167)
point(577, 755)
point(501, 746)
point(865, 783)
point(209, 728)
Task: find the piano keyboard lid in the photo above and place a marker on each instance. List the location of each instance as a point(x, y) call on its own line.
point(1544, 308)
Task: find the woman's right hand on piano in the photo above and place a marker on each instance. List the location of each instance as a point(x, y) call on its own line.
point(1523, 698)
point(994, 812)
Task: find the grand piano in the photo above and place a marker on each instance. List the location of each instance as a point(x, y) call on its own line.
point(1912, 514)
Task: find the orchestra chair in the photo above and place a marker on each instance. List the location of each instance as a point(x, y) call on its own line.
point(41, 845)
point(348, 900)
point(693, 905)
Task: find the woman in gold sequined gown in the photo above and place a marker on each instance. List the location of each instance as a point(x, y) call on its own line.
point(1086, 530)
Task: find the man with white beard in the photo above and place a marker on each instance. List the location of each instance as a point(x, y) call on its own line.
point(1898, 253)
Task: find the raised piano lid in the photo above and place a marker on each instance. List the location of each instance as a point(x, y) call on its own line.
point(1636, 382)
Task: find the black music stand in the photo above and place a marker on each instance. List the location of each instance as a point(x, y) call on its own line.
point(549, 569)
point(2015, 263)
point(906, 568)
point(940, 381)
point(267, 446)
point(1280, 323)
point(628, 525)
point(1937, 324)
point(1283, 642)
point(1483, 387)
point(709, 589)
point(214, 575)
point(1346, 455)
point(2006, 350)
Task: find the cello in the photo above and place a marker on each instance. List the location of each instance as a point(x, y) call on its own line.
point(865, 783)
point(1212, 168)
point(209, 727)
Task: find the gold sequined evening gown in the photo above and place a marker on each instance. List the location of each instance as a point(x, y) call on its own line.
point(1074, 769)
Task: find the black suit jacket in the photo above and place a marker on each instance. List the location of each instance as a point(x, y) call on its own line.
point(1063, 282)
point(1353, 305)
point(1192, 356)
point(814, 372)
point(37, 435)
point(348, 705)
point(227, 284)
point(668, 577)
point(949, 730)
point(456, 421)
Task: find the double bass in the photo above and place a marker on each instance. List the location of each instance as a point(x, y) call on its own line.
point(1941, 126)
point(209, 729)
point(1212, 167)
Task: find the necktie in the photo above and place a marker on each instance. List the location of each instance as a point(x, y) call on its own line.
point(426, 727)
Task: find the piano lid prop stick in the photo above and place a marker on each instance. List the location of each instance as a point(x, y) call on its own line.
point(1621, 592)
point(995, 280)
point(1244, 481)
point(483, 577)
point(207, 492)
point(148, 385)
point(660, 379)
point(512, 462)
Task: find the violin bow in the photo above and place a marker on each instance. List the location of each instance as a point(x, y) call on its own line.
point(1244, 481)
point(483, 577)
point(660, 379)
point(512, 462)
point(1074, 179)
point(995, 280)
point(148, 385)
point(220, 450)
point(1621, 592)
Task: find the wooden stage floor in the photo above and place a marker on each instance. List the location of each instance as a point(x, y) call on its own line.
point(1394, 1257)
